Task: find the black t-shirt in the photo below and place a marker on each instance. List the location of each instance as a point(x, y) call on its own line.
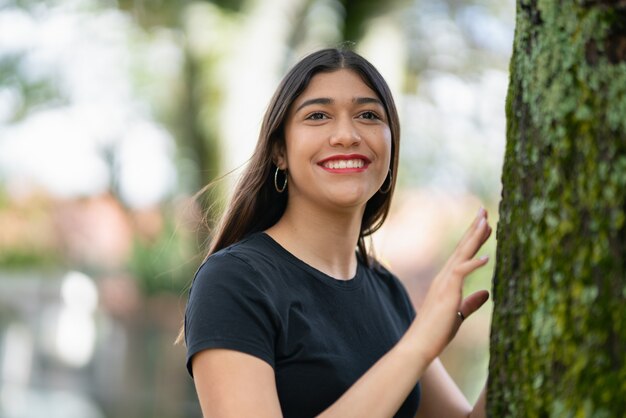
point(318, 333)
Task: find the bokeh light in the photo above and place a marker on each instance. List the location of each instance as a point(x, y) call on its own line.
point(113, 114)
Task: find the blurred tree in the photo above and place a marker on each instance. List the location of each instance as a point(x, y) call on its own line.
point(166, 262)
point(195, 142)
point(33, 92)
point(357, 13)
point(559, 323)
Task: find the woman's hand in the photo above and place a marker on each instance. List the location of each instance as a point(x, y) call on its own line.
point(438, 320)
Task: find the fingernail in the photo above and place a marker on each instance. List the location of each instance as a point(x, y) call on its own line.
point(482, 222)
point(481, 212)
point(484, 258)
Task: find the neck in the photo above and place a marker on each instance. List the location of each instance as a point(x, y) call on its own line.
point(325, 240)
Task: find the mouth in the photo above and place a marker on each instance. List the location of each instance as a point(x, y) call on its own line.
point(345, 163)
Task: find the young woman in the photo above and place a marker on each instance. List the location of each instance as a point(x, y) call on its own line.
point(289, 315)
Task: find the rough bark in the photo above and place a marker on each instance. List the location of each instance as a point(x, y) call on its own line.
point(558, 342)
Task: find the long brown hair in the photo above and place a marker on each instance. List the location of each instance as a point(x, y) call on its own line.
point(255, 204)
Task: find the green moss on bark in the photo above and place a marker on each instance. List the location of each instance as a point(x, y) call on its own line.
point(559, 324)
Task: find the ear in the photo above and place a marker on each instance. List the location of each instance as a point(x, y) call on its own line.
point(279, 155)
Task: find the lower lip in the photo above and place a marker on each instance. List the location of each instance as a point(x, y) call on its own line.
point(345, 170)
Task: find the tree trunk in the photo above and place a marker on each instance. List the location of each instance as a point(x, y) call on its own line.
point(558, 341)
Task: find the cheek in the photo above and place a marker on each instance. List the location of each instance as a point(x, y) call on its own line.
point(385, 145)
point(297, 157)
point(300, 148)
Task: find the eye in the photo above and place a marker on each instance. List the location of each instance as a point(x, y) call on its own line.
point(369, 115)
point(316, 116)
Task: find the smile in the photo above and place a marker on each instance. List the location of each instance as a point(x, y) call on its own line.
point(344, 164)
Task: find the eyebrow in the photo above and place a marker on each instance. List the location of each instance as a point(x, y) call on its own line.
point(327, 101)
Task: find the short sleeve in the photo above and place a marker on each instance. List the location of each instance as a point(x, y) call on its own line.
point(230, 307)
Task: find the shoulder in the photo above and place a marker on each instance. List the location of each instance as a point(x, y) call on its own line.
point(242, 265)
point(232, 304)
point(224, 263)
point(255, 251)
point(228, 283)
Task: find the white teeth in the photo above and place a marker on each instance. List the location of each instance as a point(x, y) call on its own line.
point(340, 164)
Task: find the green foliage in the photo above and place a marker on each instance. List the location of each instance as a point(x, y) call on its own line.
point(4, 198)
point(34, 92)
point(358, 13)
point(562, 238)
point(166, 263)
point(24, 255)
point(13, 258)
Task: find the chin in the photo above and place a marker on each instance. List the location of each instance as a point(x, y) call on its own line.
point(350, 198)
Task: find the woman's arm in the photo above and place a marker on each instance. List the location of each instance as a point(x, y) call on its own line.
point(235, 384)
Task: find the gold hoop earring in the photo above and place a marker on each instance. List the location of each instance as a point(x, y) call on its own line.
point(386, 190)
point(279, 189)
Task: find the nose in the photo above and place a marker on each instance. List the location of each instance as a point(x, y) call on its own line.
point(345, 133)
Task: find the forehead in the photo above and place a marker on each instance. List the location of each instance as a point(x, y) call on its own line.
point(336, 84)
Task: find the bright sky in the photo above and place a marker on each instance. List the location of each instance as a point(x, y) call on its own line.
point(89, 57)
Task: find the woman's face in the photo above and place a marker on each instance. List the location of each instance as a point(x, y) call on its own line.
point(338, 142)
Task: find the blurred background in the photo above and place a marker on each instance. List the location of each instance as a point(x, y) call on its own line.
point(113, 114)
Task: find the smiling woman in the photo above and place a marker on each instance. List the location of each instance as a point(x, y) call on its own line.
point(337, 147)
point(290, 315)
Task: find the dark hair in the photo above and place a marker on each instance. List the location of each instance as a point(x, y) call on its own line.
point(256, 205)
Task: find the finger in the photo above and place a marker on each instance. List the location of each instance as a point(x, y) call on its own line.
point(487, 232)
point(485, 236)
point(475, 240)
point(471, 241)
point(478, 232)
point(481, 213)
point(473, 302)
point(465, 268)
